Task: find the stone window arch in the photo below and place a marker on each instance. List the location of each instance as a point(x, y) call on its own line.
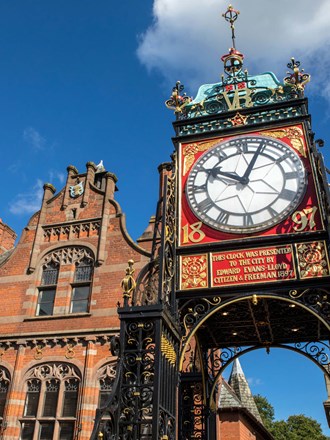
point(83, 261)
point(106, 376)
point(51, 402)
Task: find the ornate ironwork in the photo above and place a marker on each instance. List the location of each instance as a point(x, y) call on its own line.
point(193, 414)
point(297, 79)
point(193, 311)
point(168, 241)
point(178, 100)
point(147, 284)
point(317, 300)
point(318, 352)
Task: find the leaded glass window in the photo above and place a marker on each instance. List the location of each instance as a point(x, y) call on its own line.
point(81, 286)
point(50, 409)
point(47, 290)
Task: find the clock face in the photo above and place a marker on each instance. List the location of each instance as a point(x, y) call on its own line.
point(246, 184)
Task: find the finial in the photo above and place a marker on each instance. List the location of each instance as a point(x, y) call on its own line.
point(231, 16)
point(128, 283)
point(233, 61)
point(178, 100)
point(297, 79)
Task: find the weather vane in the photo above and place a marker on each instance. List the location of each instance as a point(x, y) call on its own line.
point(231, 16)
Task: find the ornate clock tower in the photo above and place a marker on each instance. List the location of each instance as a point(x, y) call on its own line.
point(240, 258)
point(253, 235)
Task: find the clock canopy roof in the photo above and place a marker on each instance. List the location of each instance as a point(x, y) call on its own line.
point(236, 88)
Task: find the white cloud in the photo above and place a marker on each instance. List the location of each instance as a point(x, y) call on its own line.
point(55, 175)
point(253, 382)
point(32, 137)
point(188, 37)
point(29, 201)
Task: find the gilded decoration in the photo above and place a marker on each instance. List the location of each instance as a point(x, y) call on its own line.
point(312, 260)
point(194, 271)
point(190, 150)
point(294, 134)
point(238, 119)
point(70, 353)
point(38, 353)
point(167, 348)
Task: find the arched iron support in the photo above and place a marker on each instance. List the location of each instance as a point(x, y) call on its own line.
point(194, 313)
point(317, 352)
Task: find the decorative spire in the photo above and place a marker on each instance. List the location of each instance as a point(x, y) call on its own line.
point(231, 16)
point(233, 61)
point(241, 387)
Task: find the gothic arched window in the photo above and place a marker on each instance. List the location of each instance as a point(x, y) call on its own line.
point(50, 408)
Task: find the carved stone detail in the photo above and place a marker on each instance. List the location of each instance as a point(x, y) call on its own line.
point(69, 231)
point(68, 255)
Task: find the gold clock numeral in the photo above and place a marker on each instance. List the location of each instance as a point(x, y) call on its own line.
point(193, 233)
point(304, 219)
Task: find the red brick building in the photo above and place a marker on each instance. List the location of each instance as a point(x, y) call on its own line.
point(60, 287)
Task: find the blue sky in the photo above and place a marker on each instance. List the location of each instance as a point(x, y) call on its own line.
point(85, 80)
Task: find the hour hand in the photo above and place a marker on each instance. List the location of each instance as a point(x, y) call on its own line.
point(217, 171)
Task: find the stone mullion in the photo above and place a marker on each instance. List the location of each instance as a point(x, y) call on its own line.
point(88, 395)
point(16, 397)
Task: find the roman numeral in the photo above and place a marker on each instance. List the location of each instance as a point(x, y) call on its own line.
point(287, 194)
point(223, 217)
point(272, 211)
point(285, 156)
point(199, 189)
point(242, 146)
point(205, 205)
point(247, 220)
point(221, 154)
point(291, 175)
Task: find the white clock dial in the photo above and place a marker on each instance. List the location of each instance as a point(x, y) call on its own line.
point(246, 184)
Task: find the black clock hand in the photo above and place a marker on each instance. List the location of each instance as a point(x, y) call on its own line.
point(216, 171)
point(245, 177)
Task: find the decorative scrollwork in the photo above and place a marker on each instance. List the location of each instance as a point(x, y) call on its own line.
point(178, 100)
point(319, 351)
point(315, 299)
point(192, 419)
point(147, 285)
point(193, 311)
point(298, 79)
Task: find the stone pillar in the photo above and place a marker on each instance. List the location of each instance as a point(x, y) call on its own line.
point(91, 169)
point(72, 171)
point(16, 397)
point(110, 188)
point(49, 191)
point(89, 393)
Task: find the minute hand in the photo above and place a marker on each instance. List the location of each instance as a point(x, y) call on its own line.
point(245, 177)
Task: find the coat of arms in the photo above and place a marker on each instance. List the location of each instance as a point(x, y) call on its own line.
point(76, 190)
